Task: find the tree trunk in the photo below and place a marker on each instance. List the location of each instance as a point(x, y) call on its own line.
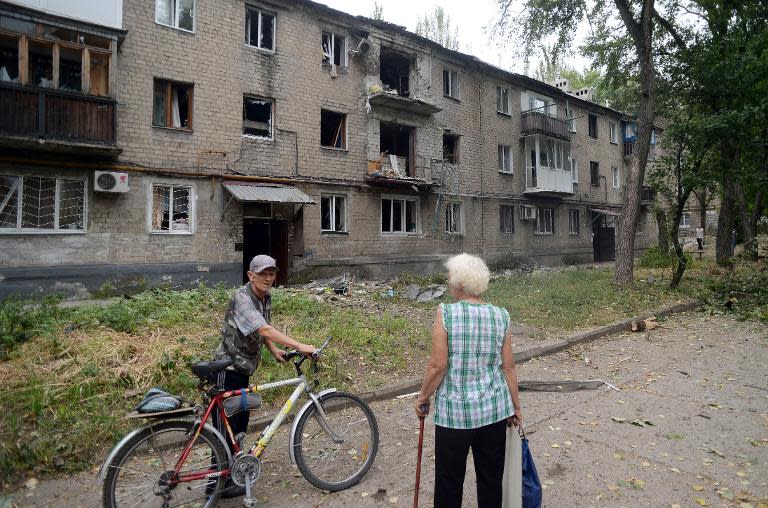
point(661, 221)
point(702, 198)
point(682, 262)
point(642, 35)
point(750, 238)
point(725, 231)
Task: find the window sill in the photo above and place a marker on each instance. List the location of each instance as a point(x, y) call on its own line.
point(270, 52)
point(334, 149)
point(451, 97)
point(614, 143)
point(174, 129)
point(171, 233)
point(510, 173)
point(332, 233)
point(502, 113)
point(341, 69)
point(42, 231)
point(543, 234)
point(507, 233)
point(179, 29)
point(258, 138)
point(390, 234)
point(455, 233)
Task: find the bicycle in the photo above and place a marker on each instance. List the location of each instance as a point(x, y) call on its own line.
point(177, 461)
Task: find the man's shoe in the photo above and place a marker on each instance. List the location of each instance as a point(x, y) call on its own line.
point(231, 490)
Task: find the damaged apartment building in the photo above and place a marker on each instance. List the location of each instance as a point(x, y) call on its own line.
point(151, 142)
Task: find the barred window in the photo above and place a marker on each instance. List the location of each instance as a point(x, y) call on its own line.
point(507, 219)
point(453, 222)
point(35, 203)
point(171, 209)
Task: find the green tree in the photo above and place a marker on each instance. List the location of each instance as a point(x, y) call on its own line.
point(378, 11)
point(436, 26)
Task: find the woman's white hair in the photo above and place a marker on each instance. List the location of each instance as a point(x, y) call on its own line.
point(468, 272)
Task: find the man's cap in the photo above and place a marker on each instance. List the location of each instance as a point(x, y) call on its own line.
point(262, 262)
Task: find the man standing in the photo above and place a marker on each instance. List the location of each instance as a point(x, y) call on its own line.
point(700, 237)
point(245, 328)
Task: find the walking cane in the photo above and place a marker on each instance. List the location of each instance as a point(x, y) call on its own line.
point(424, 408)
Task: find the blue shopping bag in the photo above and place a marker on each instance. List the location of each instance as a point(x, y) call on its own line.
point(531, 482)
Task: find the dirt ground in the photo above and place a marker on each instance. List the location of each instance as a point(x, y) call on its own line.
point(699, 380)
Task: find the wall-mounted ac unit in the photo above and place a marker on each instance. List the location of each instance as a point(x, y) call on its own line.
point(527, 212)
point(110, 181)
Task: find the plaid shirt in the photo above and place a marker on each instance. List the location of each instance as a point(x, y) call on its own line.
point(474, 392)
point(240, 339)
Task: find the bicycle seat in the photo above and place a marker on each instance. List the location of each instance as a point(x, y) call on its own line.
point(207, 370)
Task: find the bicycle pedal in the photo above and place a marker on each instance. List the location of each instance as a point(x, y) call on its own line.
point(250, 502)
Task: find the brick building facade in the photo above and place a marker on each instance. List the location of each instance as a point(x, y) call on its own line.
point(333, 142)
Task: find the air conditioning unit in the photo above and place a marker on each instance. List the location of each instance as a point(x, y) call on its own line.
point(527, 212)
point(110, 181)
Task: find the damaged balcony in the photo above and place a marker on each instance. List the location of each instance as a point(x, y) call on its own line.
point(395, 92)
point(396, 165)
point(57, 121)
point(537, 122)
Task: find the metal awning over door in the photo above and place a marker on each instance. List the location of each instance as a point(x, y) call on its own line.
point(266, 193)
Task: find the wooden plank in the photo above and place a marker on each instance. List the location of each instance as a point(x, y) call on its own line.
point(23, 60)
point(55, 64)
point(87, 70)
point(112, 69)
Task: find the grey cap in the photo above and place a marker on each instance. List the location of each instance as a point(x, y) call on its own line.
point(262, 262)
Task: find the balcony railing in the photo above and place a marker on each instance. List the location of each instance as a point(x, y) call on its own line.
point(536, 122)
point(39, 113)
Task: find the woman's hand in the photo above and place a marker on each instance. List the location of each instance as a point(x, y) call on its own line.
point(422, 407)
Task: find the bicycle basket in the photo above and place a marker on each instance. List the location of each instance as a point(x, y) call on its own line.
point(157, 400)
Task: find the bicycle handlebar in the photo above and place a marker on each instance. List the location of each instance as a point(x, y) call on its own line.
point(294, 354)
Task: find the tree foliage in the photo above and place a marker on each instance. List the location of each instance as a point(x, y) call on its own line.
point(436, 26)
point(378, 11)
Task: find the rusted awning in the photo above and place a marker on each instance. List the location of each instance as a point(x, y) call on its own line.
point(266, 193)
point(606, 211)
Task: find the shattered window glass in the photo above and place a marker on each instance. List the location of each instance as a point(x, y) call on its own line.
point(257, 117)
point(333, 213)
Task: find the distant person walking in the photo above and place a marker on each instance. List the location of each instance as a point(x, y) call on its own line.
point(473, 370)
point(700, 237)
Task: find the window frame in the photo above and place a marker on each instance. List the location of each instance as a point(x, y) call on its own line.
point(574, 169)
point(505, 158)
point(345, 130)
point(19, 230)
point(456, 147)
point(344, 55)
point(685, 221)
point(594, 174)
point(615, 177)
point(403, 210)
point(511, 221)
point(191, 212)
point(574, 213)
point(271, 117)
point(499, 94)
point(570, 120)
point(334, 197)
point(450, 74)
point(612, 136)
point(592, 121)
point(541, 219)
point(458, 214)
point(169, 104)
point(175, 21)
point(249, 9)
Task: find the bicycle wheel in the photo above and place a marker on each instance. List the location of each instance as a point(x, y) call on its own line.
point(336, 466)
point(140, 472)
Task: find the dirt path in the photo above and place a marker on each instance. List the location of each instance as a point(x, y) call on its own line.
point(700, 380)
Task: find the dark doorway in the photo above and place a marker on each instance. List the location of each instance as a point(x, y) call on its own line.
point(270, 237)
point(397, 139)
point(603, 237)
point(395, 71)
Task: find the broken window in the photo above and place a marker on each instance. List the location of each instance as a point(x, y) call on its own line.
point(573, 222)
point(507, 219)
point(450, 147)
point(612, 132)
point(40, 64)
point(505, 159)
point(397, 140)
point(615, 177)
point(171, 208)
point(395, 71)
point(70, 69)
point(259, 29)
point(453, 222)
point(176, 13)
point(333, 214)
point(172, 104)
point(594, 173)
point(36, 203)
point(502, 100)
point(451, 83)
point(545, 221)
point(334, 49)
point(399, 215)
point(9, 58)
point(257, 117)
point(592, 126)
point(333, 129)
point(99, 73)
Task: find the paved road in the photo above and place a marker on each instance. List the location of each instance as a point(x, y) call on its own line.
point(700, 380)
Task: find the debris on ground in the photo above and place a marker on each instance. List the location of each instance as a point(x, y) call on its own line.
point(424, 293)
point(645, 324)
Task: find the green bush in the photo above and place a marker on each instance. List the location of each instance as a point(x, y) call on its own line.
point(21, 320)
point(655, 258)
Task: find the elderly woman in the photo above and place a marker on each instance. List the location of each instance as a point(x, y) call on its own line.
point(473, 370)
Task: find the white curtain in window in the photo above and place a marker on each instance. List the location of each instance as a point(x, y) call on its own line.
point(175, 107)
point(164, 11)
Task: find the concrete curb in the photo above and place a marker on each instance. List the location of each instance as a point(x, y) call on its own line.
point(413, 385)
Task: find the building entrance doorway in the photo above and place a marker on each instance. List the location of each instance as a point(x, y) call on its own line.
point(262, 236)
point(603, 236)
